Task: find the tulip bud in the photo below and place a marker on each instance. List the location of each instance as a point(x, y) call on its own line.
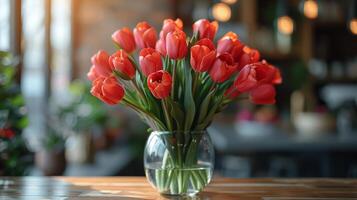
point(161, 46)
point(223, 67)
point(145, 35)
point(108, 90)
point(206, 42)
point(92, 74)
point(248, 56)
point(122, 65)
point(263, 94)
point(101, 63)
point(205, 28)
point(150, 61)
point(202, 56)
point(170, 25)
point(176, 46)
point(253, 75)
point(159, 84)
point(125, 39)
point(229, 43)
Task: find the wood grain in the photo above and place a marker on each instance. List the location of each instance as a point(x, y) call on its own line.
point(138, 188)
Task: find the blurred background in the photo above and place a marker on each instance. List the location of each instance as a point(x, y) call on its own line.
point(51, 125)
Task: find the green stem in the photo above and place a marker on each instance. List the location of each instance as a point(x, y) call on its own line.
point(141, 94)
point(173, 80)
point(166, 113)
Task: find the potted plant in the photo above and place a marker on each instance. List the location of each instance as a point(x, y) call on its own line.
point(14, 156)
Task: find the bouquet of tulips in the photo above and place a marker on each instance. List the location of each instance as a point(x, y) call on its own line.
point(179, 83)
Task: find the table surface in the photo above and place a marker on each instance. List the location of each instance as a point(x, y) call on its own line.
point(138, 188)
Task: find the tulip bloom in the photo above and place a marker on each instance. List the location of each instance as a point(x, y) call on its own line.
point(120, 62)
point(92, 74)
point(170, 25)
point(232, 92)
point(176, 46)
point(263, 94)
point(161, 46)
point(108, 90)
point(100, 62)
point(254, 75)
point(159, 84)
point(150, 61)
point(125, 39)
point(145, 35)
point(229, 43)
point(223, 67)
point(205, 28)
point(248, 56)
point(202, 56)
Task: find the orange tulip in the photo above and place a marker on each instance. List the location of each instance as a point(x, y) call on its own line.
point(125, 39)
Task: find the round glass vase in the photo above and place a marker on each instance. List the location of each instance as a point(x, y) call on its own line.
point(179, 162)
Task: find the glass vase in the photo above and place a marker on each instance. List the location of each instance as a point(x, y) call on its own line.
point(179, 163)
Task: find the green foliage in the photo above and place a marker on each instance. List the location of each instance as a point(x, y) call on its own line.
point(83, 112)
point(14, 157)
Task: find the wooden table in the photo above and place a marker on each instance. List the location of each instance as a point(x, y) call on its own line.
point(107, 188)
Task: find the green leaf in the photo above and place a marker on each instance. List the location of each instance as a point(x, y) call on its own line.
point(204, 106)
point(189, 102)
point(210, 115)
point(176, 112)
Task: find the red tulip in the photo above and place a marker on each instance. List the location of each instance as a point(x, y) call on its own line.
point(120, 62)
point(277, 78)
point(229, 43)
point(161, 46)
point(202, 56)
point(223, 67)
point(159, 84)
point(125, 39)
point(92, 74)
point(206, 42)
point(205, 28)
point(254, 75)
point(232, 92)
point(248, 56)
point(263, 94)
point(145, 35)
point(150, 61)
point(170, 25)
point(101, 63)
point(108, 90)
point(176, 46)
